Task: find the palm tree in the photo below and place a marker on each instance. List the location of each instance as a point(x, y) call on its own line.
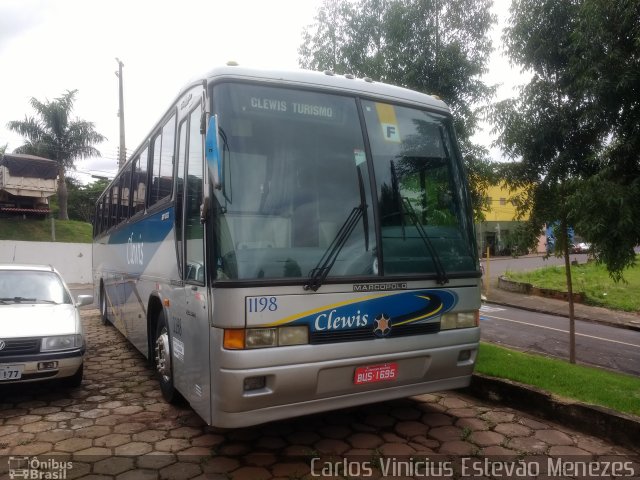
point(53, 134)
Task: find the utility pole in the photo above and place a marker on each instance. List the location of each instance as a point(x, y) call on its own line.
point(122, 154)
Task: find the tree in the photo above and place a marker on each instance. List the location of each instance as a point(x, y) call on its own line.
point(606, 65)
point(82, 199)
point(3, 149)
point(53, 134)
point(601, 65)
point(437, 47)
point(544, 129)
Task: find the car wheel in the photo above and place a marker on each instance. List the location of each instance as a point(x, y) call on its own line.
point(162, 357)
point(75, 380)
point(103, 307)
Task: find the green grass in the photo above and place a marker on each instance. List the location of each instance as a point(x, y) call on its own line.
point(587, 384)
point(40, 230)
point(591, 279)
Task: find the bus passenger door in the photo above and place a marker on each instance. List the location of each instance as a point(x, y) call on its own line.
point(191, 335)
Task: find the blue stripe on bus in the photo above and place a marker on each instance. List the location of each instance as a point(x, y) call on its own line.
point(150, 230)
point(142, 239)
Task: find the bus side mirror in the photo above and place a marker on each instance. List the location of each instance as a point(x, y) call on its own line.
point(212, 152)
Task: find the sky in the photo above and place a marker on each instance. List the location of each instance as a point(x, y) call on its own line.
point(50, 46)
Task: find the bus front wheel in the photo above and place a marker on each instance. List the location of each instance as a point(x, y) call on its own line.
point(162, 356)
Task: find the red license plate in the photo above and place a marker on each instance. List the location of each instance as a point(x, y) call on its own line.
point(376, 373)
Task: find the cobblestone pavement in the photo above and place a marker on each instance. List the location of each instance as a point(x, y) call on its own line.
point(116, 425)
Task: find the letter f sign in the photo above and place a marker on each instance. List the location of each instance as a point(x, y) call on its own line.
point(390, 132)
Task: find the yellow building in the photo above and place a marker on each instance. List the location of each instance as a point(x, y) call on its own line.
point(502, 209)
point(496, 231)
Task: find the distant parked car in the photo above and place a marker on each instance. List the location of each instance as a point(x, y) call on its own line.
point(581, 247)
point(40, 331)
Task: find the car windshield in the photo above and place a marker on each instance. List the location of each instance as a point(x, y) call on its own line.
point(29, 286)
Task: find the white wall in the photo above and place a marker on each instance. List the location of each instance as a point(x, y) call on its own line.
point(72, 260)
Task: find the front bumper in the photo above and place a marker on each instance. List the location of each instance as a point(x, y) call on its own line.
point(321, 378)
point(67, 364)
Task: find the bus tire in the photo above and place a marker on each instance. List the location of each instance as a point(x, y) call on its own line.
point(162, 360)
point(104, 315)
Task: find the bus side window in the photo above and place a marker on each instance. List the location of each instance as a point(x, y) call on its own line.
point(107, 209)
point(97, 219)
point(104, 213)
point(154, 166)
point(166, 158)
point(162, 164)
point(139, 182)
point(125, 190)
point(193, 229)
point(182, 150)
point(128, 178)
point(113, 208)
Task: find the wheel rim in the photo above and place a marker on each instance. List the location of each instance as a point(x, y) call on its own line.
point(163, 358)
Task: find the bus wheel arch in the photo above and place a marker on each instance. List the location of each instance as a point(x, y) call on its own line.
point(160, 351)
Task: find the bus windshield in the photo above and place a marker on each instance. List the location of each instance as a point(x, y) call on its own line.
point(297, 182)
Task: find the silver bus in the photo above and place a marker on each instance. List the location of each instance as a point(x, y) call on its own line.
point(286, 243)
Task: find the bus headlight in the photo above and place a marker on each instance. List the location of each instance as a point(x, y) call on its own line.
point(238, 339)
point(450, 321)
point(293, 335)
point(261, 337)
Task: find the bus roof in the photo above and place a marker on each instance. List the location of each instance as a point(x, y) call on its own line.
point(311, 79)
point(327, 80)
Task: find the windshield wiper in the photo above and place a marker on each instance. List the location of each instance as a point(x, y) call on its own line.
point(441, 274)
point(365, 215)
point(319, 273)
point(403, 204)
point(17, 299)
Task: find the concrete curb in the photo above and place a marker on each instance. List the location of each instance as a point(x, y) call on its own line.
point(601, 422)
point(528, 289)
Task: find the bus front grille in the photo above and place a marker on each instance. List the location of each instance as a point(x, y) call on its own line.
point(355, 335)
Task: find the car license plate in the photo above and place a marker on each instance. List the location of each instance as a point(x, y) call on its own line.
point(10, 372)
point(376, 373)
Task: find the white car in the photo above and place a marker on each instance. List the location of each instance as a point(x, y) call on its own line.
point(582, 247)
point(40, 330)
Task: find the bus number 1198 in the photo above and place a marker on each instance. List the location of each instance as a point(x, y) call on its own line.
point(260, 304)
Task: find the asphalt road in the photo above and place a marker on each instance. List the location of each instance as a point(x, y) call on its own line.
point(596, 344)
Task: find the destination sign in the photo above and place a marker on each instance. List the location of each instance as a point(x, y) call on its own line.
point(297, 108)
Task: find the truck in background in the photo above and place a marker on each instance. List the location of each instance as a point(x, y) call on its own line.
point(26, 183)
